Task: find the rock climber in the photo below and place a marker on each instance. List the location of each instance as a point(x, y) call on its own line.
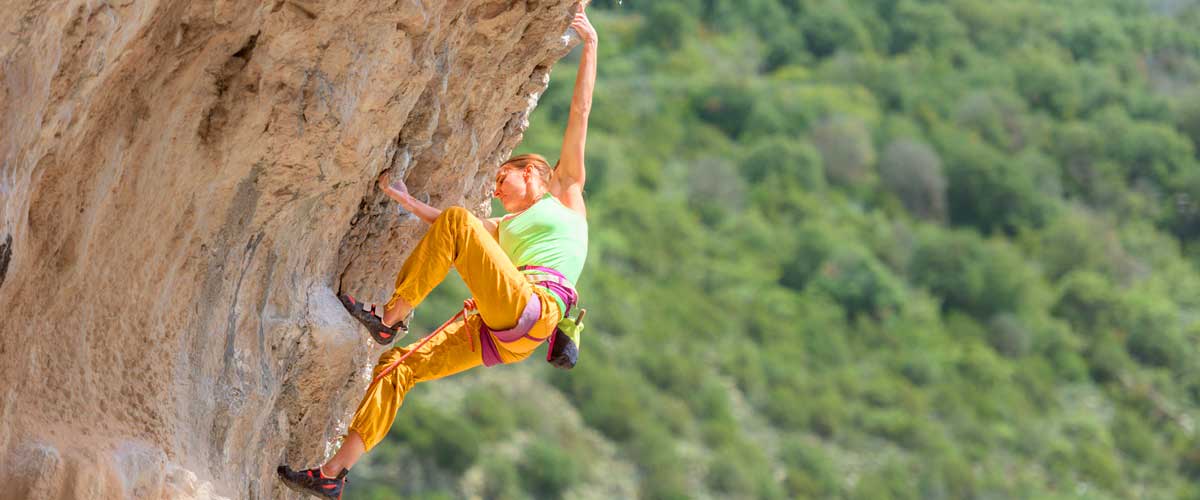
point(519, 269)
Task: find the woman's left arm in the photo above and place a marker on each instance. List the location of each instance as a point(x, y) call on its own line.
point(569, 177)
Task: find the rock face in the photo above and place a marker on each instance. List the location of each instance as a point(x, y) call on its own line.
point(184, 187)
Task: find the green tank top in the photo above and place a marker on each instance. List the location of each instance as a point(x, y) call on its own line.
point(547, 234)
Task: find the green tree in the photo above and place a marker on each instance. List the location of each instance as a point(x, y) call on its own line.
point(847, 152)
point(831, 28)
point(912, 171)
point(988, 190)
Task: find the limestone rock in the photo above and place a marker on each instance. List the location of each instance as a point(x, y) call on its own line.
point(184, 187)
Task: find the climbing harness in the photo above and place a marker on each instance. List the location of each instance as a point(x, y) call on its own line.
point(564, 342)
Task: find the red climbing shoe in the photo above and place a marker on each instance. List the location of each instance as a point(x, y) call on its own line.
point(314, 483)
point(368, 315)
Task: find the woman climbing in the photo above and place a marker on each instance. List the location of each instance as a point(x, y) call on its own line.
point(519, 269)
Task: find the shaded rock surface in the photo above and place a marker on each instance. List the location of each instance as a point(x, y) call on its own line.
point(184, 187)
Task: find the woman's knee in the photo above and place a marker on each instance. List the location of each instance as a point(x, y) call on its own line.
point(388, 357)
point(401, 374)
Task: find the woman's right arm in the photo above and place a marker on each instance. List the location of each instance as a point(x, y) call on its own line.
point(399, 193)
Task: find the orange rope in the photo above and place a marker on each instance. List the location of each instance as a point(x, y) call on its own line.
point(461, 314)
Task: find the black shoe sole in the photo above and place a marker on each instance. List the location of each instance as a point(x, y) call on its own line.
point(299, 488)
point(372, 323)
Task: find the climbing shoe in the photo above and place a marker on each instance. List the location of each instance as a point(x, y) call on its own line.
point(369, 315)
point(314, 483)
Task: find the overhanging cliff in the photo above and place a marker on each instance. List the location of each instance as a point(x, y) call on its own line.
point(184, 187)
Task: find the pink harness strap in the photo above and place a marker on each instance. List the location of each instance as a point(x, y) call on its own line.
point(488, 337)
point(547, 278)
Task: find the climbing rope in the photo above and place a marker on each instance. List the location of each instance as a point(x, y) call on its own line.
point(461, 314)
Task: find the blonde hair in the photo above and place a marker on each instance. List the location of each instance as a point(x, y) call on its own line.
point(538, 161)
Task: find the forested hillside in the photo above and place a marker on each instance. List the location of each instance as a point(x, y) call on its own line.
point(858, 249)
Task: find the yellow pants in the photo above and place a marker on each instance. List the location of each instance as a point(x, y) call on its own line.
point(457, 238)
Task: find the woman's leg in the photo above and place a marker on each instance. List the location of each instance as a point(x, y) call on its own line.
point(457, 238)
point(454, 350)
point(449, 352)
point(352, 449)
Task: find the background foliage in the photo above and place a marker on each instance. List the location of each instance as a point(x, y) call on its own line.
point(858, 249)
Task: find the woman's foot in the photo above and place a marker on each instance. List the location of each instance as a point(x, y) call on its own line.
point(313, 482)
point(368, 315)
